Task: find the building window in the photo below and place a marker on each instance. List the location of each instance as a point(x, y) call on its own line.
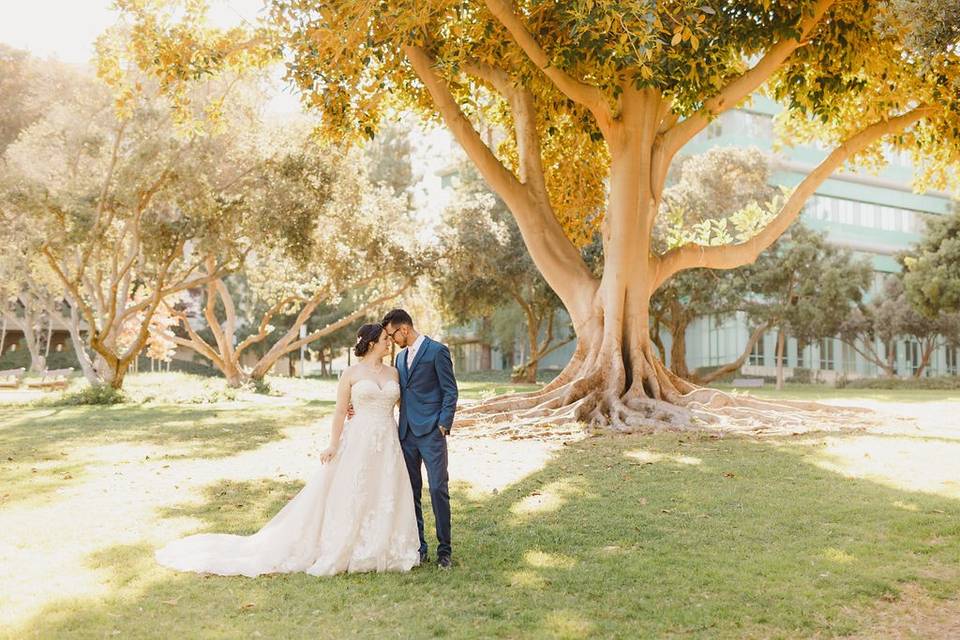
point(758, 355)
point(912, 351)
point(951, 357)
point(826, 354)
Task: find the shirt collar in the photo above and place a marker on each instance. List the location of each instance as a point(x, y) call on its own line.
point(416, 343)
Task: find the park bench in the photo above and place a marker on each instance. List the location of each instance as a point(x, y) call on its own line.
point(748, 382)
point(51, 379)
point(11, 378)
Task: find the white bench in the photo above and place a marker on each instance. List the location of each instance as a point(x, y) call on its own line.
point(748, 382)
point(12, 378)
point(52, 379)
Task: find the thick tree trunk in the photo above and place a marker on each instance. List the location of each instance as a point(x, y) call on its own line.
point(528, 372)
point(486, 349)
point(890, 366)
point(781, 339)
point(615, 377)
point(486, 356)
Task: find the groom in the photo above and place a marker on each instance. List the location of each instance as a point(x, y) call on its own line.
point(428, 399)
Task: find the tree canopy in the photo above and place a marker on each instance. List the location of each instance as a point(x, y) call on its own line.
point(596, 98)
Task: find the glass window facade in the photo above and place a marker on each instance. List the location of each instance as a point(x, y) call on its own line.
point(865, 214)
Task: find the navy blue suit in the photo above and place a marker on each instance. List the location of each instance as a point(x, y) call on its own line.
point(428, 400)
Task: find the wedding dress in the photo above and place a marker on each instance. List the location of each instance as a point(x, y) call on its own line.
point(355, 514)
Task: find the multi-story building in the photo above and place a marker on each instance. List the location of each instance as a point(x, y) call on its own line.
point(875, 216)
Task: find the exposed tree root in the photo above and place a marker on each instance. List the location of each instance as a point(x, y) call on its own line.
point(592, 402)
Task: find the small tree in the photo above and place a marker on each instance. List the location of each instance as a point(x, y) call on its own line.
point(708, 189)
point(128, 202)
point(932, 268)
point(333, 238)
point(807, 290)
point(486, 266)
point(874, 328)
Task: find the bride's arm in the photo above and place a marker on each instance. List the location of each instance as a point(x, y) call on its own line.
point(339, 414)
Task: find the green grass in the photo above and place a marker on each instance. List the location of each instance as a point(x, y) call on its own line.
point(753, 541)
point(616, 537)
point(825, 392)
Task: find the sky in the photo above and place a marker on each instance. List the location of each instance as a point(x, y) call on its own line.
point(67, 29)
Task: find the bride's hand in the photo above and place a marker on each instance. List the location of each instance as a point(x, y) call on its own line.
point(327, 455)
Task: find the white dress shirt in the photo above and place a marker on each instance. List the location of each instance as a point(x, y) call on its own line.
point(412, 350)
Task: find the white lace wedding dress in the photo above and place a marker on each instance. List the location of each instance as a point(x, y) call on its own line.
point(355, 514)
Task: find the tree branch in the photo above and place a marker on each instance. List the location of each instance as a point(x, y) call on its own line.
point(743, 85)
point(553, 253)
point(691, 256)
point(524, 111)
point(285, 345)
point(580, 92)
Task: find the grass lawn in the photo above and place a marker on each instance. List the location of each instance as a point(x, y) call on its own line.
point(826, 392)
point(613, 537)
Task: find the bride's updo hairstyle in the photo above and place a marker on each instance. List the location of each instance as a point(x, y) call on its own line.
point(366, 336)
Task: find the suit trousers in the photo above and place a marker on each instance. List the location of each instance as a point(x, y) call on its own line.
point(430, 450)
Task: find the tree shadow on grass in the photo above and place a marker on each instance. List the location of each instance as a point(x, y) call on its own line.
point(630, 537)
point(209, 431)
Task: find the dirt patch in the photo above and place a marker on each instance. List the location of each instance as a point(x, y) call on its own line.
point(913, 615)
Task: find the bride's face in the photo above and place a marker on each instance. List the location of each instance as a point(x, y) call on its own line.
point(380, 348)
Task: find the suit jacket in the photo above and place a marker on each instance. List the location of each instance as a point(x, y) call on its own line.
point(428, 389)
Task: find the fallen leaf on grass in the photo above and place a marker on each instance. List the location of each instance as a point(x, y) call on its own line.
point(729, 474)
point(247, 605)
point(171, 603)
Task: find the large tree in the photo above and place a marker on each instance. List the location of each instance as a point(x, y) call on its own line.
point(599, 97)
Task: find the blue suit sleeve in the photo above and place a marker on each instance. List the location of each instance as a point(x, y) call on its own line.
point(448, 386)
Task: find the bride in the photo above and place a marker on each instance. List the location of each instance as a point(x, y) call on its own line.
point(355, 514)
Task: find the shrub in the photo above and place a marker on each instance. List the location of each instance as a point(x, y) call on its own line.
point(97, 394)
point(64, 359)
point(938, 383)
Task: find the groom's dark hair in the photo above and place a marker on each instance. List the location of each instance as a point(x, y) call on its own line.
point(397, 317)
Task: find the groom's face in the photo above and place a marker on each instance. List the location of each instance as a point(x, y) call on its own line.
point(400, 334)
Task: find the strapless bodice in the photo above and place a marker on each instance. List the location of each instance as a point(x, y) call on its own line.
point(370, 399)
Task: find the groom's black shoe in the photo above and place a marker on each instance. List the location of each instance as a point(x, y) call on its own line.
point(424, 558)
point(444, 562)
